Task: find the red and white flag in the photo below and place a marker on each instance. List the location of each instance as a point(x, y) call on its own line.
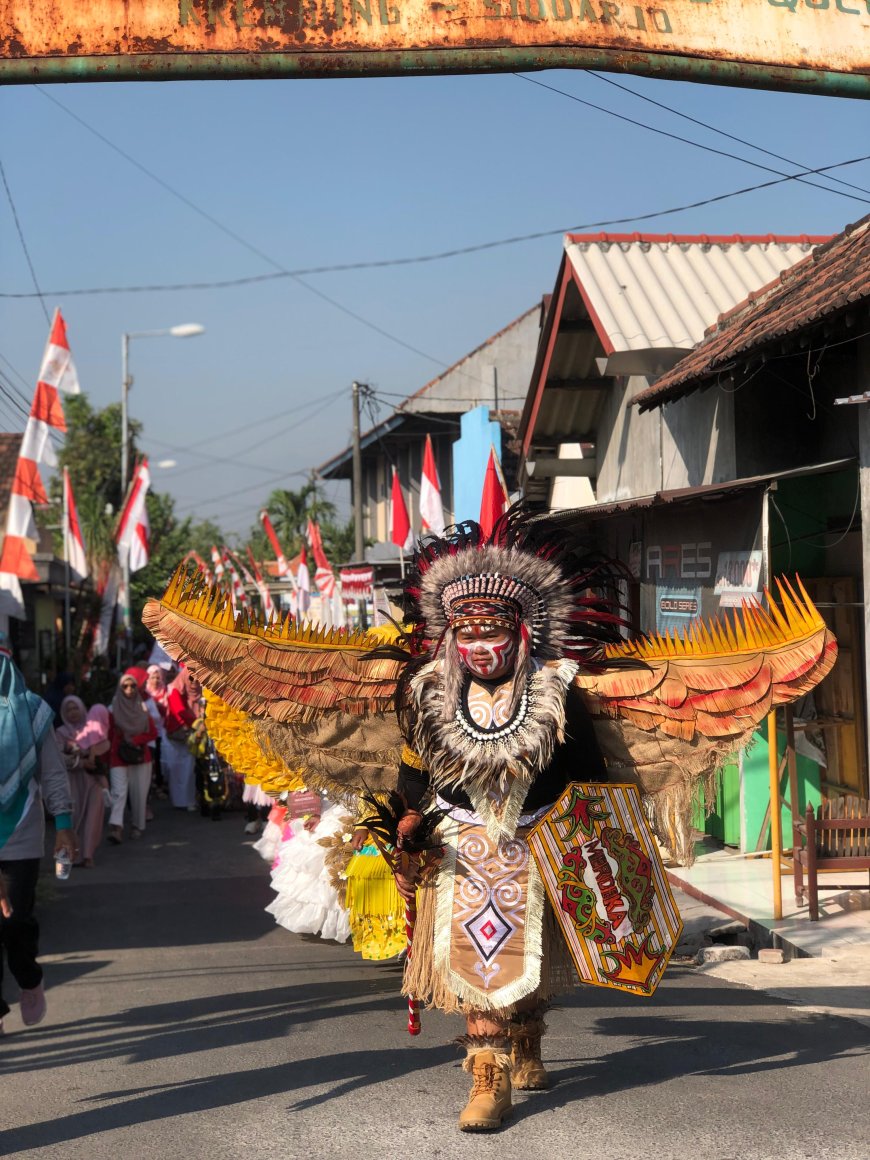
point(303, 584)
point(58, 369)
point(324, 577)
point(494, 501)
point(73, 544)
point(134, 530)
point(400, 526)
point(261, 585)
point(240, 596)
point(431, 509)
point(218, 563)
point(110, 592)
point(46, 415)
point(284, 570)
point(201, 564)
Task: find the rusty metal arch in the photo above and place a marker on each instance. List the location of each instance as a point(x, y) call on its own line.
point(820, 46)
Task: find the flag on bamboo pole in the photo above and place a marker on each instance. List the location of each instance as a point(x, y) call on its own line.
point(284, 570)
point(431, 509)
point(73, 543)
point(218, 564)
point(46, 415)
point(240, 596)
point(261, 585)
point(109, 590)
point(494, 500)
point(324, 578)
point(134, 529)
point(400, 525)
point(303, 584)
point(201, 564)
point(58, 369)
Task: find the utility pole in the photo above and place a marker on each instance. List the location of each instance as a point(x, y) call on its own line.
point(358, 539)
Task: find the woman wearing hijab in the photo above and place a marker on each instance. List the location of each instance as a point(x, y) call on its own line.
point(183, 714)
point(156, 701)
point(83, 742)
point(129, 757)
point(32, 778)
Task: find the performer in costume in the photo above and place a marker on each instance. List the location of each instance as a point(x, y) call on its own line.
point(353, 893)
point(513, 682)
point(496, 731)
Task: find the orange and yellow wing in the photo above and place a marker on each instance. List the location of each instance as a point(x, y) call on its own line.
point(321, 701)
point(721, 679)
point(668, 722)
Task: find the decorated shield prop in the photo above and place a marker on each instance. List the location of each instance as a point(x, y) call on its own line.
point(604, 876)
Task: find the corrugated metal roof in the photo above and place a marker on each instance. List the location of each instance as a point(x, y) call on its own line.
point(646, 292)
point(833, 278)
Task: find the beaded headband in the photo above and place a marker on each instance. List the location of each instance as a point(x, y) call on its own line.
point(501, 598)
point(484, 610)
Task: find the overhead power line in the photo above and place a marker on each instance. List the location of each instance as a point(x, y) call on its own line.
point(320, 406)
point(20, 231)
point(687, 140)
point(714, 129)
point(280, 270)
point(441, 255)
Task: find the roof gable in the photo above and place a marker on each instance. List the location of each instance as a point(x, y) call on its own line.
point(661, 291)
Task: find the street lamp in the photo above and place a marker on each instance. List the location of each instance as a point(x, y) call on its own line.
point(183, 330)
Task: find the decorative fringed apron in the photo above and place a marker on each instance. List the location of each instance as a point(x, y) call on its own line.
point(486, 938)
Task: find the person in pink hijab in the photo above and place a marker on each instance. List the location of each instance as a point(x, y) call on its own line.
point(83, 741)
point(183, 716)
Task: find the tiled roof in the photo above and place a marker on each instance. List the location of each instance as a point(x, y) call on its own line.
point(834, 276)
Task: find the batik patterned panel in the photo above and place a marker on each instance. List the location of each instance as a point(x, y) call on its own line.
point(604, 876)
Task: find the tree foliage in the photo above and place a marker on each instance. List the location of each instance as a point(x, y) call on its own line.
point(92, 454)
point(290, 512)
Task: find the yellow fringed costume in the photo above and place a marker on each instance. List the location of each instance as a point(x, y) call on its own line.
point(375, 910)
point(235, 739)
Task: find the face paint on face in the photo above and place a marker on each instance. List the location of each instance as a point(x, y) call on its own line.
point(487, 651)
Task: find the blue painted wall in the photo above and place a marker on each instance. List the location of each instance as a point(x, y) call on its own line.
point(470, 455)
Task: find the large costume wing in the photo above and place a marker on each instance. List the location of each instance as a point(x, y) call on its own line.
point(669, 722)
point(321, 701)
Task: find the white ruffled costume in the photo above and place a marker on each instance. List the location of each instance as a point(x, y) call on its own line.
point(306, 902)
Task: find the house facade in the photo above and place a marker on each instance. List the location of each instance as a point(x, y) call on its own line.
point(495, 375)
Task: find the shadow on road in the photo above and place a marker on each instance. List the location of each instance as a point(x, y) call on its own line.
point(665, 1046)
point(343, 1073)
point(185, 1027)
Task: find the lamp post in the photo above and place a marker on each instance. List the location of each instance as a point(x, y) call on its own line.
point(183, 330)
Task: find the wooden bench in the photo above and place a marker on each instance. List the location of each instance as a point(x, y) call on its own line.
point(837, 839)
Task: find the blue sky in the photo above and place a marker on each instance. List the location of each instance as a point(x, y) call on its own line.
point(314, 173)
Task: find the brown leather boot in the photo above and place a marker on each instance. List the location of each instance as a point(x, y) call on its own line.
point(490, 1099)
point(528, 1073)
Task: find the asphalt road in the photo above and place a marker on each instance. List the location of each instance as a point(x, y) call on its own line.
point(182, 1022)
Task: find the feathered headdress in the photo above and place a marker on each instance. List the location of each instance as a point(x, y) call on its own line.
point(560, 596)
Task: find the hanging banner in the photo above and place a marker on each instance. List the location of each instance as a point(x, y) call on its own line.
point(356, 583)
point(809, 45)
